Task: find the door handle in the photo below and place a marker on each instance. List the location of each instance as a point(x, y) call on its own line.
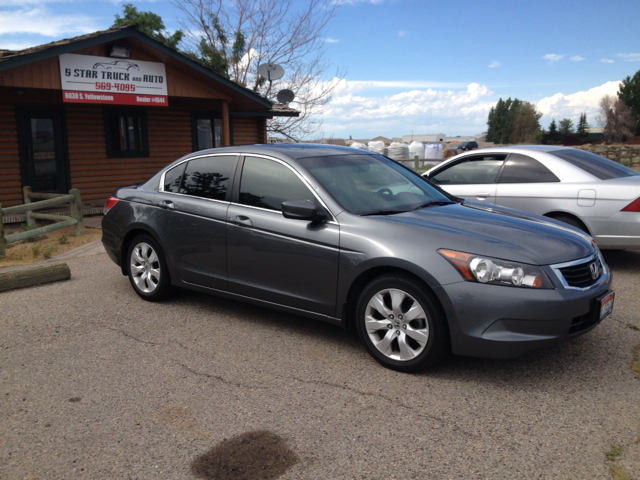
point(167, 204)
point(242, 221)
point(482, 196)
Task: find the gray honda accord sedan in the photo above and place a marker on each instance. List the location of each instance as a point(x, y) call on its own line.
point(354, 239)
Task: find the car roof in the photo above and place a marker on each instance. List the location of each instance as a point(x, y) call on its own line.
point(292, 150)
point(529, 148)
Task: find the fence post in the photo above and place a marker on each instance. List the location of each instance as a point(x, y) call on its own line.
point(26, 192)
point(76, 212)
point(1, 234)
point(415, 163)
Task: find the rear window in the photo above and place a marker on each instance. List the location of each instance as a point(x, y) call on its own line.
point(598, 166)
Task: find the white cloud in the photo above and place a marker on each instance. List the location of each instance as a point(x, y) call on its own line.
point(423, 109)
point(403, 33)
point(16, 46)
point(629, 57)
point(353, 86)
point(560, 106)
point(331, 40)
point(576, 58)
point(494, 64)
point(552, 57)
point(38, 20)
point(606, 60)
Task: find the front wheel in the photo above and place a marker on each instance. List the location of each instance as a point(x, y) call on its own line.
point(400, 324)
point(148, 271)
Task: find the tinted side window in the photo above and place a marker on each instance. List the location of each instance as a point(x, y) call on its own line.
point(208, 177)
point(267, 184)
point(474, 169)
point(173, 179)
point(522, 169)
point(598, 166)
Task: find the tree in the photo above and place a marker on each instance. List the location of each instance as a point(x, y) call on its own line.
point(553, 136)
point(566, 127)
point(500, 120)
point(234, 37)
point(629, 93)
point(616, 119)
point(583, 128)
point(525, 127)
point(149, 23)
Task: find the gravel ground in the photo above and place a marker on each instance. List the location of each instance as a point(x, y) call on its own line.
point(98, 384)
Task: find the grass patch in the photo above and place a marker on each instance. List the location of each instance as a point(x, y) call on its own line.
point(49, 251)
point(618, 472)
point(614, 453)
point(633, 327)
point(24, 253)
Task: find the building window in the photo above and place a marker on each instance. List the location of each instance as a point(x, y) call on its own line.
point(126, 132)
point(207, 131)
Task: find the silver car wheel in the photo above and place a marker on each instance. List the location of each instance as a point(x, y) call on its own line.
point(396, 324)
point(144, 266)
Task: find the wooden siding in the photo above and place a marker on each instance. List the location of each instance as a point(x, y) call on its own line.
point(46, 74)
point(98, 176)
point(248, 130)
point(10, 180)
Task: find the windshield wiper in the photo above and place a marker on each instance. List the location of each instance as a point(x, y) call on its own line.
point(383, 212)
point(434, 204)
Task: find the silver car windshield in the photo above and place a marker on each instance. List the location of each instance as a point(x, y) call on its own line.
point(372, 184)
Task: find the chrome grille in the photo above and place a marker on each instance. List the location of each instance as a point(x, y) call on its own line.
point(581, 273)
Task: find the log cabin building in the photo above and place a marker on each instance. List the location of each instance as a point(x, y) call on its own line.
point(109, 109)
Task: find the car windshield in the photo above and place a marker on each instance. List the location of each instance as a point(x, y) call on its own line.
point(372, 184)
point(598, 166)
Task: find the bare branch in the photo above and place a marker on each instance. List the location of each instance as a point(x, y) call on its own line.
point(289, 33)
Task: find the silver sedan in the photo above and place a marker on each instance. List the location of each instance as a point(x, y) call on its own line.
point(590, 192)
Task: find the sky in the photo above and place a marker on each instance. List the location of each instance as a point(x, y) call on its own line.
point(420, 66)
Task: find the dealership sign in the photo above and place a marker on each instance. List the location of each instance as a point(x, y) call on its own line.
point(89, 79)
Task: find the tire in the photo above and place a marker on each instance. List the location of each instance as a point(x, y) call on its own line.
point(400, 324)
point(573, 221)
point(147, 269)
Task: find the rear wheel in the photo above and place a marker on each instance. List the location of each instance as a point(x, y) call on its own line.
point(147, 267)
point(400, 324)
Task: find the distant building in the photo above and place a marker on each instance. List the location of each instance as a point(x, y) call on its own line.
point(426, 137)
point(480, 138)
point(279, 140)
point(332, 141)
point(382, 139)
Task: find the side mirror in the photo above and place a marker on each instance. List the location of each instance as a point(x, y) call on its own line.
point(303, 210)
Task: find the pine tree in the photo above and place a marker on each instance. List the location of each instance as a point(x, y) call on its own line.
point(552, 137)
point(583, 128)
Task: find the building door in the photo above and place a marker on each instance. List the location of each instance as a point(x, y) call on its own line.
point(43, 159)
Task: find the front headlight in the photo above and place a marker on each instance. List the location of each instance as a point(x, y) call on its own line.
point(478, 268)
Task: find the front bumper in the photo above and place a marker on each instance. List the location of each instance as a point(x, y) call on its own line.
point(492, 321)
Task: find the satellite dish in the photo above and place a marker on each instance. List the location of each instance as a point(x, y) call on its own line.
point(270, 71)
point(285, 96)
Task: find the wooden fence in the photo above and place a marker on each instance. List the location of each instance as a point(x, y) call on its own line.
point(47, 200)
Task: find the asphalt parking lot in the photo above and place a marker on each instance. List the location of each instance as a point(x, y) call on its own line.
point(98, 384)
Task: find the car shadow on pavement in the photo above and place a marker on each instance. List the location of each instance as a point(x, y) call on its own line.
point(623, 261)
point(586, 356)
point(265, 317)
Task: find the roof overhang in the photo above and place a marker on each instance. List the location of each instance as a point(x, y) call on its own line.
point(55, 49)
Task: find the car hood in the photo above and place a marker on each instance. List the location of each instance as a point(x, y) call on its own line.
point(498, 232)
